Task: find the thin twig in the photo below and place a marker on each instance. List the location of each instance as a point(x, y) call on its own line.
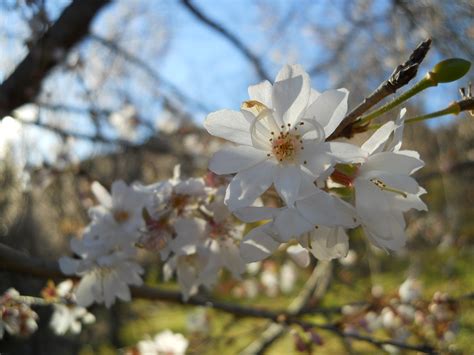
point(160, 146)
point(148, 69)
point(401, 76)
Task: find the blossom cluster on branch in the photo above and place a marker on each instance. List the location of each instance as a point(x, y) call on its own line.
point(291, 185)
point(325, 187)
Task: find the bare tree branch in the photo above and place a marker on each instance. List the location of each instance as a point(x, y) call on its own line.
point(230, 37)
point(149, 70)
point(401, 76)
point(157, 146)
point(24, 84)
point(14, 261)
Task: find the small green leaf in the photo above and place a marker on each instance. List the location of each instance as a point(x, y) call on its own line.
point(450, 70)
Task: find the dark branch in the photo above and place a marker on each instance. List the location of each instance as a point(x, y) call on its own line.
point(401, 76)
point(230, 37)
point(156, 146)
point(14, 261)
point(24, 84)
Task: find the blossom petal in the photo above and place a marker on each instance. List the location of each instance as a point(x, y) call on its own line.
point(249, 184)
point(299, 255)
point(393, 163)
point(232, 159)
point(254, 214)
point(346, 152)
point(324, 209)
point(290, 223)
point(101, 194)
point(291, 92)
point(84, 292)
point(230, 125)
point(68, 265)
point(287, 183)
point(316, 158)
point(384, 226)
point(329, 109)
point(327, 243)
point(396, 142)
point(378, 140)
point(262, 93)
point(258, 244)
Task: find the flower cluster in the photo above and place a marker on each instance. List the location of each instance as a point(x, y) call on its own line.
point(105, 254)
point(280, 143)
point(16, 317)
point(404, 315)
point(196, 235)
point(67, 316)
point(185, 221)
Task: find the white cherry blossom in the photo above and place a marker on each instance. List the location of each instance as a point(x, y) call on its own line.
point(280, 135)
point(384, 188)
point(69, 318)
point(123, 207)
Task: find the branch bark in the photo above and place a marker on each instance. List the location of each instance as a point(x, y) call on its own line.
point(401, 76)
point(24, 84)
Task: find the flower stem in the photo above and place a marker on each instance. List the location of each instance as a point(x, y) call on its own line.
point(423, 84)
point(452, 109)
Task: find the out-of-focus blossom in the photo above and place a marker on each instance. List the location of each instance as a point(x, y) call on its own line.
point(67, 316)
point(410, 290)
point(164, 343)
point(16, 317)
point(288, 276)
point(126, 122)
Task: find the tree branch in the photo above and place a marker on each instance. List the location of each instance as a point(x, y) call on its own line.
point(230, 37)
point(24, 84)
point(158, 146)
point(148, 69)
point(401, 76)
point(14, 261)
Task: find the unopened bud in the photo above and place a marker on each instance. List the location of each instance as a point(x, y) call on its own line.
point(450, 70)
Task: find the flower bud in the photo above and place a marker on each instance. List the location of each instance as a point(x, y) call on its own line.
point(450, 70)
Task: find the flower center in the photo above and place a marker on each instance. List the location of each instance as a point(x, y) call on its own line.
point(285, 146)
point(121, 216)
